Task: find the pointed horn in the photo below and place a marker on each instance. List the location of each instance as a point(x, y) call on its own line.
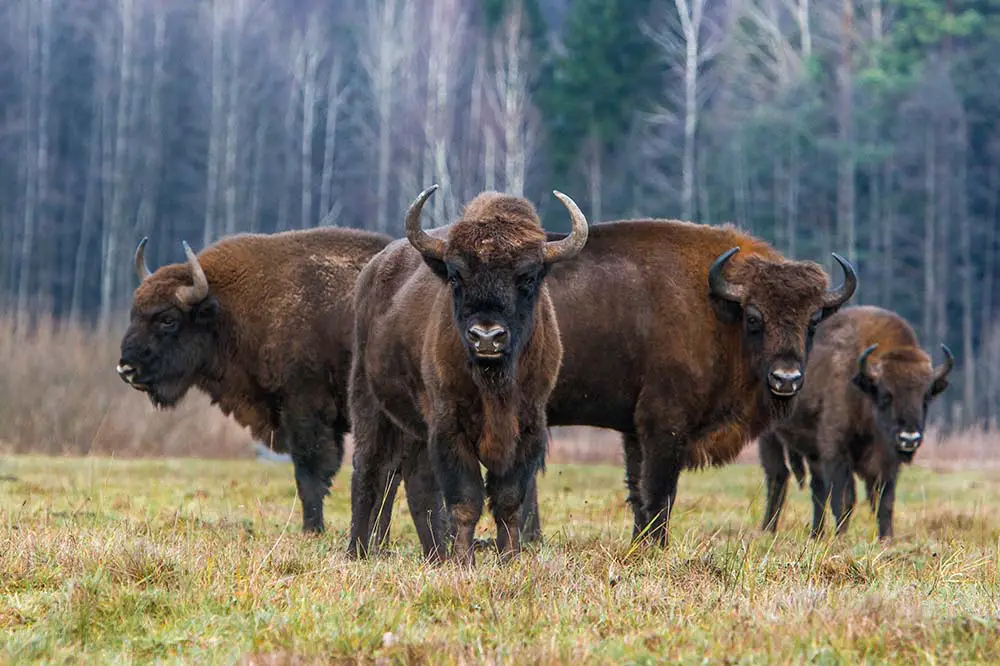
point(141, 269)
point(197, 292)
point(836, 297)
point(942, 370)
point(718, 285)
point(427, 245)
point(568, 247)
point(863, 359)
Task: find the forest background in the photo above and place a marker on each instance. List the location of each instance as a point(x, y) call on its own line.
point(865, 127)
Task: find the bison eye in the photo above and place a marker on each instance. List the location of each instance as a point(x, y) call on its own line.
point(167, 323)
point(884, 399)
point(753, 319)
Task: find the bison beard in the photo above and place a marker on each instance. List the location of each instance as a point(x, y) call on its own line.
point(866, 417)
point(457, 350)
point(206, 324)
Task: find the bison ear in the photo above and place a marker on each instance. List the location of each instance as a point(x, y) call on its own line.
point(938, 387)
point(865, 384)
point(206, 312)
point(439, 268)
point(727, 312)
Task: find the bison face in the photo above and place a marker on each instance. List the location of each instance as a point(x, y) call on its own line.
point(494, 262)
point(171, 334)
point(778, 305)
point(493, 305)
point(901, 385)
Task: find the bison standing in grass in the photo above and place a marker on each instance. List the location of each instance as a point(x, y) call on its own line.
point(864, 414)
point(688, 339)
point(263, 324)
point(457, 351)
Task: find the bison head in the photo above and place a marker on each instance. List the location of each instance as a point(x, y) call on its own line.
point(778, 304)
point(494, 261)
point(901, 385)
point(171, 333)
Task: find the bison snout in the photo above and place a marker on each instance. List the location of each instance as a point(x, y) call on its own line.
point(785, 382)
point(126, 372)
point(909, 440)
point(487, 340)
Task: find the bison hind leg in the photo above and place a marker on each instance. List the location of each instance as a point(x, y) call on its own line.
point(375, 479)
point(425, 501)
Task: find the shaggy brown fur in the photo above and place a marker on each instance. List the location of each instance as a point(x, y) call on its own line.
point(270, 343)
point(682, 374)
point(421, 391)
point(647, 351)
point(866, 422)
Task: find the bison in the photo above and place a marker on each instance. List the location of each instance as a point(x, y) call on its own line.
point(457, 349)
point(687, 338)
point(864, 415)
point(263, 324)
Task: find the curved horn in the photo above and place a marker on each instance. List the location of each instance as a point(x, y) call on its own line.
point(718, 285)
point(942, 370)
point(197, 292)
point(427, 245)
point(141, 269)
point(568, 247)
point(836, 297)
point(863, 359)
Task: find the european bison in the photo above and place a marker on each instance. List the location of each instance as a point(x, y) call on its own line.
point(263, 324)
point(457, 351)
point(689, 339)
point(865, 414)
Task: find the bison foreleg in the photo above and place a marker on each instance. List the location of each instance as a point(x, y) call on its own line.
point(633, 474)
point(661, 468)
point(841, 494)
point(461, 483)
point(820, 494)
point(886, 502)
point(772, 459)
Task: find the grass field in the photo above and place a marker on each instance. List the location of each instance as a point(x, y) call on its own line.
point(111, 561)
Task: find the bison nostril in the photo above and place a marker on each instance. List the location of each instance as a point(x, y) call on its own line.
point(785, 381)
point(787, 375)
point(487, 339)
point(910, 439)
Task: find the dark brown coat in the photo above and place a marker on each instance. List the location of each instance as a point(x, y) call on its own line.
point(457, 352)
point(263, 324)
point(865, 414)
point(686, 348)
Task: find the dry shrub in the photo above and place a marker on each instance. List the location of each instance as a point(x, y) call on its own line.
point(59, 394)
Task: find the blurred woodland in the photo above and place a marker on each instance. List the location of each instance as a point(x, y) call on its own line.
point(865, 127)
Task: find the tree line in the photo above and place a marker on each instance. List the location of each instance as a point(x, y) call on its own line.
point(865, 127)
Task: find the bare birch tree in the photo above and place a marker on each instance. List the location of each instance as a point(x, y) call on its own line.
point(382, 53)
point(511, 102)
point(696, 45)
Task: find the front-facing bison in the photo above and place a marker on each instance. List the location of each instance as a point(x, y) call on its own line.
point(456, 352)
point(263, 324)
point(688, 339)
point(863, 414)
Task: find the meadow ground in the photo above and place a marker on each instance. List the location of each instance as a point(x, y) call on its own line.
point(194, 561)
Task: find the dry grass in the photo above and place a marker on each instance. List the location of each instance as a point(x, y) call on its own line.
point(180, 561)
point(59, 394)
